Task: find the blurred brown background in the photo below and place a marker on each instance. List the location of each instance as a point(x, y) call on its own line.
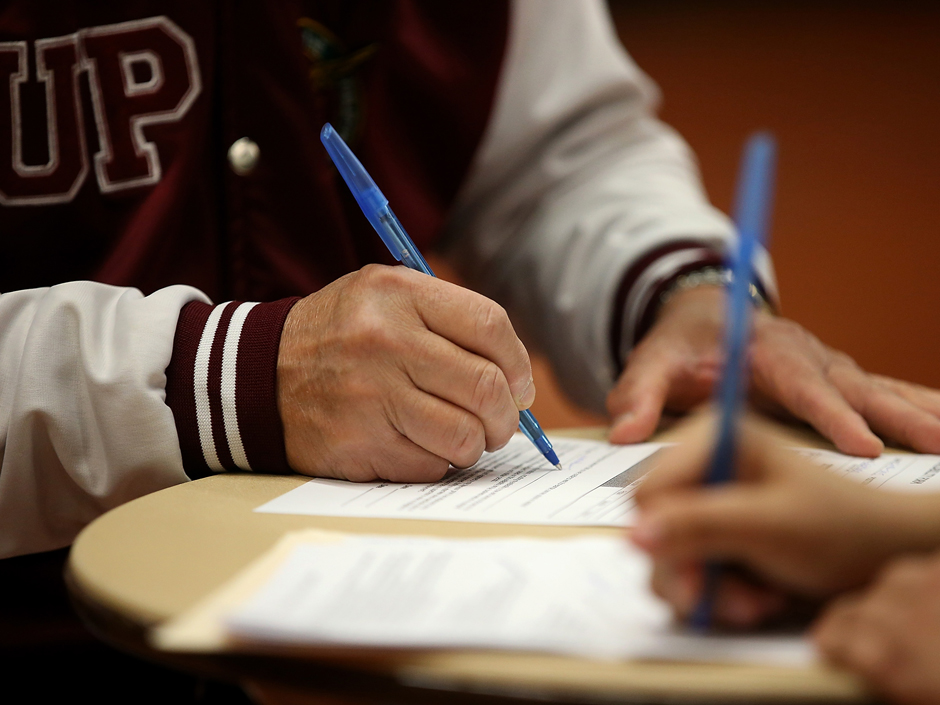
point(852, 92)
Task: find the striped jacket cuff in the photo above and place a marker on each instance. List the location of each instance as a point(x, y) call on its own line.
point(222, 386)
point(640, 289)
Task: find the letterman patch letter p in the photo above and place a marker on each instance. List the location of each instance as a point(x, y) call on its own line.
point(143, 72)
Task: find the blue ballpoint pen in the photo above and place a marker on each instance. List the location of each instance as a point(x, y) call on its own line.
point(375, 207)
point(755, 186)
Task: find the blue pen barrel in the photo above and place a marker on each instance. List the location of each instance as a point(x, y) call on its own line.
point(408, 253)
point(755, 186)
point(752, 214)
point(700, 620)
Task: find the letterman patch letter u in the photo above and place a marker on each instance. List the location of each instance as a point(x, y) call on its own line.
point(140, 73)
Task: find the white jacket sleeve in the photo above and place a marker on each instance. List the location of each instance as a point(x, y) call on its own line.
point(575, 181)
point(83, 423)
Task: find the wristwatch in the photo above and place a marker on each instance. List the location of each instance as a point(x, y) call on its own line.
point(711, 276)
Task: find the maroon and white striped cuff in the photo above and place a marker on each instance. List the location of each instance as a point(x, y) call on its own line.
point(638, 295)
point(642, 286)
point(222, 386)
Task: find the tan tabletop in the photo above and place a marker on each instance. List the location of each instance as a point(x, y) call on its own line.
point(154, 557)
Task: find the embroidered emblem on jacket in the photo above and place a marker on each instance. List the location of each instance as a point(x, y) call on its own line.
point(334, 68)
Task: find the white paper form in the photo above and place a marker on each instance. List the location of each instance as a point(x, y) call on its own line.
point(890, 471)
point(586, 597)
point(515, 485)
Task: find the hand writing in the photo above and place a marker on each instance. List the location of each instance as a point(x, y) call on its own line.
point(890, 634)
point(800, 530)
point(390, 374)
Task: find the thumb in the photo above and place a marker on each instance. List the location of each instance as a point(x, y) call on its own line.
point(636, 402)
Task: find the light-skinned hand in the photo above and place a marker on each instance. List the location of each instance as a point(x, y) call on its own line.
point(677, 363)
point(801, 530)
point(391, 374)
point(890, 634)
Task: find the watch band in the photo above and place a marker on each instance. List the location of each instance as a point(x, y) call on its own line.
point(711, 276)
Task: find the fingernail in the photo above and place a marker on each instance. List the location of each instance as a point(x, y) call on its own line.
point(528, 395)
point(622, 419)
point(617, 429)
point(648, 533)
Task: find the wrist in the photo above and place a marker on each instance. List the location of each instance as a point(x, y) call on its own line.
point(706, 303)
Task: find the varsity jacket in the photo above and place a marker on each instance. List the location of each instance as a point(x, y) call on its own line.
point(164, 200)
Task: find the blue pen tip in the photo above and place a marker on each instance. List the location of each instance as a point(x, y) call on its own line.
point(552, 457)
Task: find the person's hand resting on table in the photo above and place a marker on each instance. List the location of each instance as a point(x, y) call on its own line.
point(677, 363)
point(390, 374)
point(890, 634)
point(799, 530)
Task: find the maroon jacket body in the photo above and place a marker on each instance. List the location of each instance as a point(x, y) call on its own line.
point(122, 113)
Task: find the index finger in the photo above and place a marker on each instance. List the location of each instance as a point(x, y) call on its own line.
point(479, 325)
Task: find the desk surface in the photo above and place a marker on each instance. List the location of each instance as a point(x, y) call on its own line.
point(156, 556)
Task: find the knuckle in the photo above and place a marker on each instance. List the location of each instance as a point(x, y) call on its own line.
point(492, 405)
point(375, 273)
point(467, 442)
point(489, 388)
point(434, 469)
point(369, 276)
point(502, 431)
point(806, 401)
point(423, 351)
point(370, 330)
point(791, 333)
point(843, 373)
point(763, 355)
point(384, 279)
point(492, 321)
